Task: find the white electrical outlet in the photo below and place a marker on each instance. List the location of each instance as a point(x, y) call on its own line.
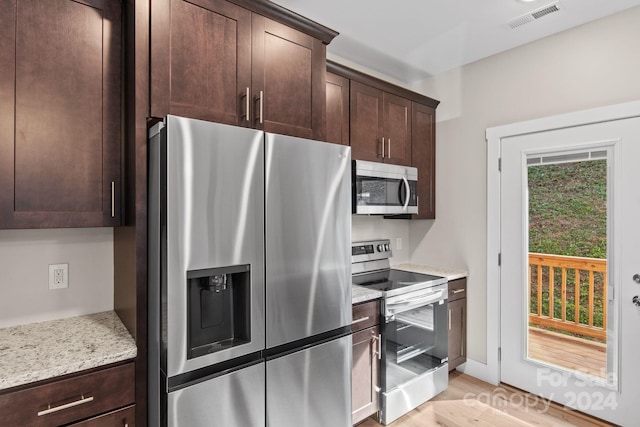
point(398, 243)
point(58, 276)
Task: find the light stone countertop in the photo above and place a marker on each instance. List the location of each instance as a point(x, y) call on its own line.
point(449, 273)
point(361, 294)
point(38, 351)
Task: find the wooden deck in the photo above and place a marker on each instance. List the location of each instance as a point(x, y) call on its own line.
point(568, 352)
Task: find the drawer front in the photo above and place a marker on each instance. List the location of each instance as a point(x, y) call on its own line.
point(125, 417)
point(457, 289)
point(65, 401)
point(365, 315)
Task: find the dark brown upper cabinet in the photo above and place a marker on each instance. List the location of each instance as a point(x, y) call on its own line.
point(60, 113)
point(200, 60)
point(388, 124)
point(337, 109)
point(396, 129)
point(380, 125)
point(365, 121)
point(225, 62)
point(423, 157)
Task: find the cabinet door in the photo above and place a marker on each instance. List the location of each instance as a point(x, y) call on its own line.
point(60, 92)
point(125, 417)
point(423, 157)
point(365, 374)
point(457, 332)
point(397, 129)
point(337, 109)
point(288, 80)
point(366, 122)
point(200, 60)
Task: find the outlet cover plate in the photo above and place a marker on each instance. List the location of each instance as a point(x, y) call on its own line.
point(58, 276)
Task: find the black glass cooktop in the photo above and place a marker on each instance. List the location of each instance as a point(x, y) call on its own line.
point(388, 280)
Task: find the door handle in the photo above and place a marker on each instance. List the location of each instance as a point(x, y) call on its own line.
point(261, 107)
point(247, 98)
point(408, 188)
point(113, 199)
point(382, 143)
point(389, 148)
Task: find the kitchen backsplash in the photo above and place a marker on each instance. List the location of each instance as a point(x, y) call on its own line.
point(25, 256)
point(364, 227)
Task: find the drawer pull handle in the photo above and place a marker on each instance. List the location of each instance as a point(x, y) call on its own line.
point(457, 291)
point(51, 410)
point(360, 320)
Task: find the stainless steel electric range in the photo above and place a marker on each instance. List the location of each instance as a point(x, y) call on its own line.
point(414, 329)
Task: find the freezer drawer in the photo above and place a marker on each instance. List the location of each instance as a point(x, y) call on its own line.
point(311, 387)
point(234, 399)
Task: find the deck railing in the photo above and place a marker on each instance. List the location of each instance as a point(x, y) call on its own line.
point(568, 294)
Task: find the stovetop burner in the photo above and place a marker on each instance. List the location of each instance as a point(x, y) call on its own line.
point(371, 269)
point(390, 281)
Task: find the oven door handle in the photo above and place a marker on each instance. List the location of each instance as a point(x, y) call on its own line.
point(411, 303)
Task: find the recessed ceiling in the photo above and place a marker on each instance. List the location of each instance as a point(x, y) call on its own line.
point(414, 39)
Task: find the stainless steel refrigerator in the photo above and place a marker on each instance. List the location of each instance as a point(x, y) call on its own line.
point(249, 278)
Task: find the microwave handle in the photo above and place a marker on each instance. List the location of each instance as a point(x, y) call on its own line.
point(408, 188)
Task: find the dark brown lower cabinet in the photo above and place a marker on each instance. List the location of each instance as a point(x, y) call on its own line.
point(365, 373)
point(457, 306)
point(125, 417)
point(72, 399)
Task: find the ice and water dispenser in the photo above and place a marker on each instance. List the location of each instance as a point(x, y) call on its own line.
point(219, 309)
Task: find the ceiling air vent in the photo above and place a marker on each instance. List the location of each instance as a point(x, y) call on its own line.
point(532, 16)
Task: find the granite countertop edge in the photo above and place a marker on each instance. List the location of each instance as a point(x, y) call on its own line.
point(45, 350)
point(449, 273)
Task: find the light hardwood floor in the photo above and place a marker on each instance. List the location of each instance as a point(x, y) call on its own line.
point(471, 402)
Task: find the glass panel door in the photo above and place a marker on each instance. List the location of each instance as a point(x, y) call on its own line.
point(567, 261)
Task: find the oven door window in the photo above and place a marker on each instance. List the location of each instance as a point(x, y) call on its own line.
point(415, 342)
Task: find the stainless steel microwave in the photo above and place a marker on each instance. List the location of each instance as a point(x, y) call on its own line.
point(383, 189)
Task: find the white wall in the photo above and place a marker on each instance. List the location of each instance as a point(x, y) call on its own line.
point(364, 227)
point(594, 65)
point(25, 256)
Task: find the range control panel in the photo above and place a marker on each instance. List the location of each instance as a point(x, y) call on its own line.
point(370, 250)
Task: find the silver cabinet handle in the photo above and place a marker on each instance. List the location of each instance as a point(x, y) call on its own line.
point(457, 291)
point(113, 199)
point(261, 109)
point(247, 98)
point(389, 148)
point(360, 320)
point(382, 144)
point(51, 410)
point(379, 346)
point(449, 318)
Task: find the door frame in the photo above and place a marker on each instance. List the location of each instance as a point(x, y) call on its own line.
point(490, 372)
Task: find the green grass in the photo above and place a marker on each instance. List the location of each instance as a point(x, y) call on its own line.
point(568, 209)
